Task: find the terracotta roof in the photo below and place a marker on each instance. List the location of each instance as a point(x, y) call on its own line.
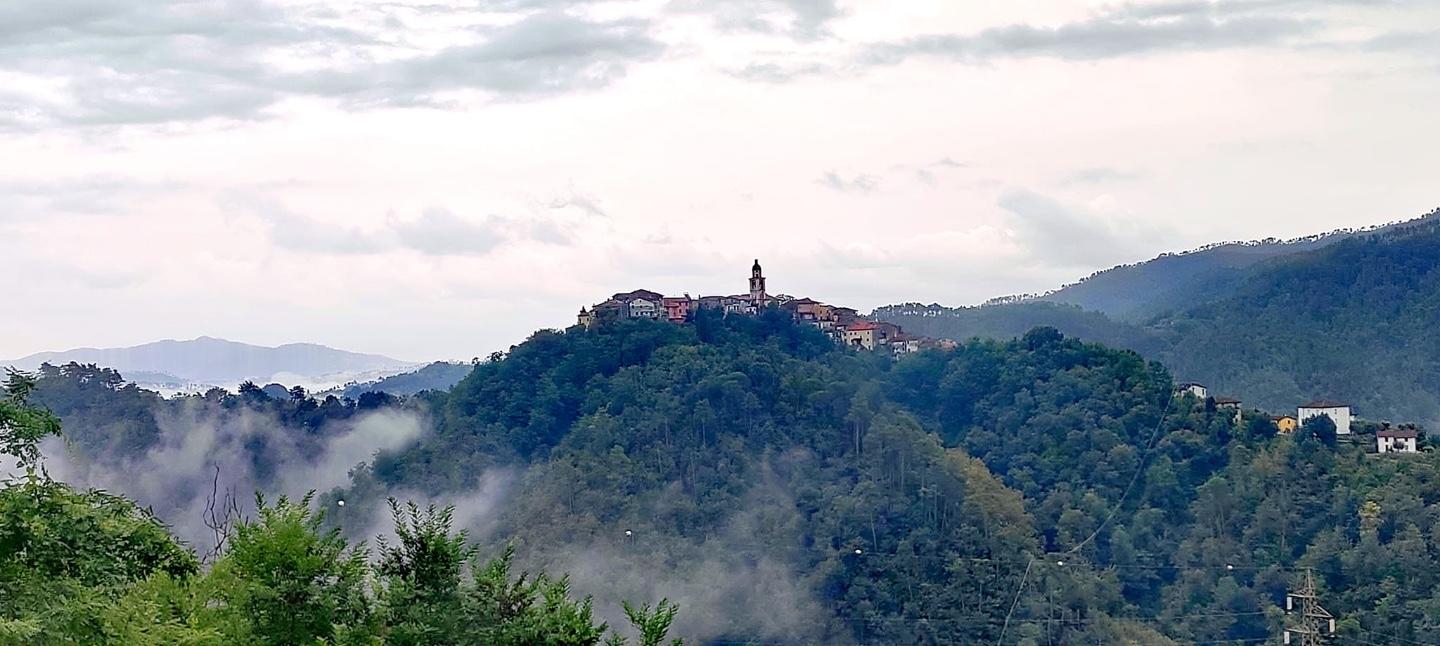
point(860, 325)
point(1402, 433)
point(1227, 400)
point(1324, 403)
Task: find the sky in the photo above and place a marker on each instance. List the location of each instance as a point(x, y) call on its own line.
point(431, 179)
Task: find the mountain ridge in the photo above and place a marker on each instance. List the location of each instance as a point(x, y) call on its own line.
point(207, 359)
point(1349, 319)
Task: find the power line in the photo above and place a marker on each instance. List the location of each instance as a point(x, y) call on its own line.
point(1139, 469)
point(1315, 622)
point(1014, 603)
point(1392, 639)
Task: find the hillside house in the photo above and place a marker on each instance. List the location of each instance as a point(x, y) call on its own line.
point(640, 304)
point(860, 334)
point(585, 319)
point(1230, 404)
point(677, 309)
point(607, 310)
point(885, 332)
point(902, 344)
point(1404, 439)
point(844, 315)
point(1285, 423)
point(1338, 412)
point(1198, 390)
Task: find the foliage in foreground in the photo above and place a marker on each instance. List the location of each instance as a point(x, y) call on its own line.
point(87, 567)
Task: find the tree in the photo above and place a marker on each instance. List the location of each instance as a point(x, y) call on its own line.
point(515, 611)
point(66, 554)
point(1320, 427)
point(23, 426)
point(284, 580)
point(653, 624)
point(421, 575)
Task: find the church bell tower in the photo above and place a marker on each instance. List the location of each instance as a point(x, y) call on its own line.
point(757, 286)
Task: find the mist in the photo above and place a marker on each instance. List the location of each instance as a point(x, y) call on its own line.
point(740, 582)
point(204, 456)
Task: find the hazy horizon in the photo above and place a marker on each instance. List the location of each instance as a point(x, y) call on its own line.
point(569, 319)
point(431, 180)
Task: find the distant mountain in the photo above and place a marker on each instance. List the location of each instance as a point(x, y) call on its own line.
point(207, 360)
point(1348, 315)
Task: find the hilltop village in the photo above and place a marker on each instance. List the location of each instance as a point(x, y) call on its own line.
point(849, 328)
point(844, 324)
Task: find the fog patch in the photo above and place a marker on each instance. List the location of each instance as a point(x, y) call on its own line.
point(741, 582)
point(204, 456)
point(383, 430)
point(476, 510)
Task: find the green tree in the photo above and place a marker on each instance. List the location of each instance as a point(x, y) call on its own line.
point(516, 611)
point(285, 580)
point(23, 426)
point(1320, 428)
point(421, 575)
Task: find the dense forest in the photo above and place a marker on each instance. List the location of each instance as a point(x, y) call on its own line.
point(1350, 320)
point(921, 501)
point(89, 567)
point(1039, 490)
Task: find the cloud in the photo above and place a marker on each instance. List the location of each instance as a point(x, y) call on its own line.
point(439, 232)
point(1106, 36)
point(781, 71)
point(1099, 175)
point(295, 232)
point(103, 194)
point(1061, 235)
point(435, 232)
point(87, 62)
point(542, 54)
point(860, 183)
point(585, 203)
point(799, 19)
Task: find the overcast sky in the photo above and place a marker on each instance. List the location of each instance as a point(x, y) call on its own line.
point(432, 179)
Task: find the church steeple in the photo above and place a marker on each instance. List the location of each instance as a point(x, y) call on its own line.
point(758, 297)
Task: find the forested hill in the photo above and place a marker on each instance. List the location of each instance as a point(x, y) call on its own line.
point(791, 492)
point(1173, 281)
point(1353, 321)
point(785, 490)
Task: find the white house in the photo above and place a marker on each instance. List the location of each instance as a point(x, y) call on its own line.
point(642, 308)
point(1338, 412)
point(1198, 390)
point(1401, 440)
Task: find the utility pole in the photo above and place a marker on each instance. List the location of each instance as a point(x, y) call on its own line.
point(1313, 623)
